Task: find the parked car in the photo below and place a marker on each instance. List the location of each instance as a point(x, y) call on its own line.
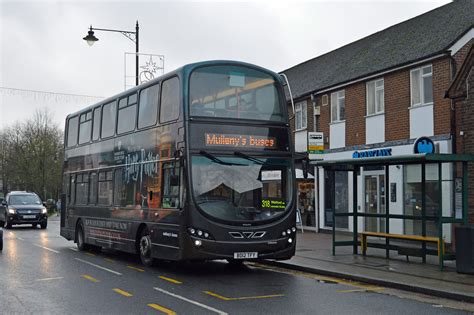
point(21, 207)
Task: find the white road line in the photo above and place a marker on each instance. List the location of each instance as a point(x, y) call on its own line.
point(21, 239)
point(51, 250)
point(74, 249)
point(191, 301)
point(100, 267)
point(49, 279)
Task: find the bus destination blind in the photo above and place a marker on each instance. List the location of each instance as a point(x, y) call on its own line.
point(240, 141)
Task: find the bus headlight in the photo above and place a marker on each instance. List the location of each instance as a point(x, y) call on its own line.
point(290, 240)
point(198, 243)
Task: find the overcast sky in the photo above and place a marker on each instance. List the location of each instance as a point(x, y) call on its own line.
point(41, 46)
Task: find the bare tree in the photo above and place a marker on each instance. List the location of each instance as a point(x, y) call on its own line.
point(32, 155)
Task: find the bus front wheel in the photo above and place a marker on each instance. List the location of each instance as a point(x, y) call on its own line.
point(144, 248)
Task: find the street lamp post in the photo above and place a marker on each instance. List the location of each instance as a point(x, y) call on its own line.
point(133, 36)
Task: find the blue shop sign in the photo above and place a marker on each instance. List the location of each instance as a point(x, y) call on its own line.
point(372, 153)
point(424, 145)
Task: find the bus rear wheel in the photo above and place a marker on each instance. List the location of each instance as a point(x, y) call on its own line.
point(144, 248)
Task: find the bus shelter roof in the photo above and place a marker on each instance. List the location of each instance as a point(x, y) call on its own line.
point(393, 160)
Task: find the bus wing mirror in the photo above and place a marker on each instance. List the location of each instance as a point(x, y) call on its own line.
point(304, 166)
point(174, 180)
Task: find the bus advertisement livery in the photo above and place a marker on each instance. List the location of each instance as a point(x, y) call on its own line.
point(194, 165)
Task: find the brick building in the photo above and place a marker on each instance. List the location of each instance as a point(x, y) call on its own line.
point(383, 92)
point(462, 94)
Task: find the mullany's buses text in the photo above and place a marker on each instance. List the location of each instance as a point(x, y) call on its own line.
point(240, 141)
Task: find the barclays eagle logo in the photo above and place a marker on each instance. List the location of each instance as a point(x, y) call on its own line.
point(424, 145)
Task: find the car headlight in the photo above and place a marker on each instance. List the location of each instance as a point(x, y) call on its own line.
point(44, 210)
point(11, 210)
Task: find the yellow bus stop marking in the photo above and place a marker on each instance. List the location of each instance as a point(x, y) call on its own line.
point(135, 268)
point(360, 290)
point(122, 292)
point(170, 280)
point(109, 260)
point(90, 278)
point(89, 254)
point(162, 309)
point(224, 298)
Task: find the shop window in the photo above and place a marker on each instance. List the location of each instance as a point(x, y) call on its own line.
point(336, 198)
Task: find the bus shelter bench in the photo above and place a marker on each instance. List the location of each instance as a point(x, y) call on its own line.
point(404, 250)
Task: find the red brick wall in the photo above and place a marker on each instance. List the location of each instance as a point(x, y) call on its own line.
point(355, 114)
point(397, 101)
point(461, 54)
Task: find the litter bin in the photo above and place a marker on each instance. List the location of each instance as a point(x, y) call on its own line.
point(465, 249)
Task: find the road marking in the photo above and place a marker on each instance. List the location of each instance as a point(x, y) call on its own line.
point(135, 268)
point(100, 267)
point(122, 292)
point(109, 260)
point(356, 284)
point(191, 301)
point(90, 278)
point(360, 290)
point(162, 309)
point(73, 249)
point(224, 298)
point(89, 254)
point(170, 280)
point(51, 250)
point(20, 238)
point(50, 279)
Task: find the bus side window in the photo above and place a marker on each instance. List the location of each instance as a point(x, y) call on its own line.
point(72, 131)
point(170, 185)
point(96, 124)
point(93, 188)
point(72, 189)
point(148, 106)
point(105, 190)
point(109, 112)
point(169, 105)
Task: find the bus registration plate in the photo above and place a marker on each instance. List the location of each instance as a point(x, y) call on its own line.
point(245, 255)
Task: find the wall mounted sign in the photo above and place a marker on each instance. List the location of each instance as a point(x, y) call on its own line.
point(315, 142)
point(424, 145)
point(372, 153)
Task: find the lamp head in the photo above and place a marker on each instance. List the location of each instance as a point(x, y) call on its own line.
point(90, 38)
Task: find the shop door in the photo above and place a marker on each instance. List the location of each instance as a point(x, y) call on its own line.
point(375, 201)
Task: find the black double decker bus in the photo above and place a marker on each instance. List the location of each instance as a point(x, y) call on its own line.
point(194, 165)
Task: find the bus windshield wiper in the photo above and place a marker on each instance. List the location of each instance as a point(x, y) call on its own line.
point(248, 157)
point(216, 159)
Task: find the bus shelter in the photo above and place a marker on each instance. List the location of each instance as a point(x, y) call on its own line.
point(459, 167)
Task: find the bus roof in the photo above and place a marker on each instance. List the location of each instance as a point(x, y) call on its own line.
point(184, 69)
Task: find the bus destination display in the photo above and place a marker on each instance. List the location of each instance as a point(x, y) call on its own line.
point(240, 141)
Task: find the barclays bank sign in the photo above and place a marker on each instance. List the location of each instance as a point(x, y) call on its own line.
point(372, 153)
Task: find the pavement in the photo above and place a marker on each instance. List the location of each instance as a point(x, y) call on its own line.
point(314, 254)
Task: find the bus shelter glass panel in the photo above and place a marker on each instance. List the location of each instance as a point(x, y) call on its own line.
point(413, 198)
point(235, 92)
point(240, 189)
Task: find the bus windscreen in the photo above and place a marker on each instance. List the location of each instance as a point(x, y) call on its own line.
point(235, 92)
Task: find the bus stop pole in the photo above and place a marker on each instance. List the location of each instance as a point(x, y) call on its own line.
point(423, 208)
point(333, 206)
point(464, 192)
point(440, 217)
point(354, 210)
point(387, 210)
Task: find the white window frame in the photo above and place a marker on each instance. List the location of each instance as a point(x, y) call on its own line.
point(376, 89)
point(300, 108)
point(421, 86)
point(338, 96)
